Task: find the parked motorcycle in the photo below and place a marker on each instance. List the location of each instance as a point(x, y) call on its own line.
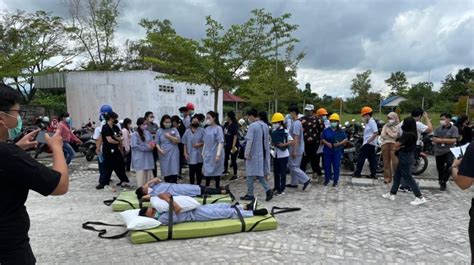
point(419, 166)
point(88, 146)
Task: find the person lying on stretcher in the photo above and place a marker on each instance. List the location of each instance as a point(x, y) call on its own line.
point(206, 212)
point(155, 187)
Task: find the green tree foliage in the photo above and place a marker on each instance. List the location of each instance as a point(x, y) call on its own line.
point(419, 95)
point(53, 102)
point(462, 84)
point(93, 25)
point(398, 83)
point(222, 57)
point(361, 84)
point(27, 42)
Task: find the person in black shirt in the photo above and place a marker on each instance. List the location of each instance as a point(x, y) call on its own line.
point(406, 146)
point(111, 149)
point(465, 131)
point(231, 131)
point(463, 175)
point(20, 175)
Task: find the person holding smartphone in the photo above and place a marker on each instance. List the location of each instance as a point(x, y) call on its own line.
point(21, 174)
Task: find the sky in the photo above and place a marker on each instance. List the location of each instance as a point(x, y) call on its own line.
point(425, 39)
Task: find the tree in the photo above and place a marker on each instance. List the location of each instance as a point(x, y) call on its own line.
point(462, 84)
point(398, 83)
point(222, 58)
point(28, 41)
point(361, 84)
point(419, 95)
point(93, 24)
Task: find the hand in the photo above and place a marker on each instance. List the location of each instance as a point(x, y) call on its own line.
point(329, 145)
point(293, 155)
point(161, 151)
point(280, 144)
point(186, 156)
point(425, 115)
point(248, 157)
point(168, 135)
point(436, 140)
point(310, 139)
point(197, 145)
point(27, 142)
point(218, 158)
point(456, 163)
point(97, 151)
point(233, 150)
point(55, 141)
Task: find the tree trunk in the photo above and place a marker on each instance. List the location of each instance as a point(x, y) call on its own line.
point(216, 99)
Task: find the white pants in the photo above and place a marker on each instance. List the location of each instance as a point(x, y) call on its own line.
point(143, 176)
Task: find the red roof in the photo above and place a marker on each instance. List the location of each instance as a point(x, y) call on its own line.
point(228, 97)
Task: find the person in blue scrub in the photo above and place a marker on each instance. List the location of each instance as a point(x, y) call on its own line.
point(193, 141)
point(167, 140)
point(213, 150)
point(334, 139)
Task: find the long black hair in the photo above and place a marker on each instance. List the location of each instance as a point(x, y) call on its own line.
point(461, 120)
point(215, 116)
point(141, 133)
point(263, 116)
point(409, 126)
point(231, 116)
point(126, 123)
point(165, 117)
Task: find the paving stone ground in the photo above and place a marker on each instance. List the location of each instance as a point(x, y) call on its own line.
point(349, 224)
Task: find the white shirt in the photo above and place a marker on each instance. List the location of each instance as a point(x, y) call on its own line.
point(370, 130)
point(284, 153)
point(420, 128)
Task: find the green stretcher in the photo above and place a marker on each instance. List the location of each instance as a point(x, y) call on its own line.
point(127, 200)
point(204, 229)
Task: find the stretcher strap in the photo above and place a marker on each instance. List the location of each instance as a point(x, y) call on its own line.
point(110, 202)
point(258, 222)
point(151, 234)
point(204, 201)
point(102, 232)
point(170, 218)
point(283, 210)
point(239, 214)
point(218, 199)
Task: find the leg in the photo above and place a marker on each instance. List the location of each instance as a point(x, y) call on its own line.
point(372, 161)
point(155, 158)
point(208, 181)
point(318, 161)
point(140, 178)
point(301, 176)
point(192, 173)
point(304, 161)
point(276, 173)
point(448, 163)
point(69, 152)
point(128, 163)
point(292, 164)
point(218, 181)
point(361, 160)
point(119, 167)
point(394, 160)
point(397, 178)
point(471, 230)
point(406, 175)
point(250, 185)
point(311, 153)
point(226, 160)
point(440, 167)
point(233, 158)
point(199, 173)
point(387, 163)
point(327, 167)
point(283, 167)
point(264, 183)
point(336, 166)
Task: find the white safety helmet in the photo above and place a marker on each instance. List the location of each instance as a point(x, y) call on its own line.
point(46, 119)
point(241, 122)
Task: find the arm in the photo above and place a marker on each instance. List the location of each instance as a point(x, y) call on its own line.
point(112, 140)
point(55, 143)
point(166, 197)
point(140, 146)
point(463, 182)
point(428, 123)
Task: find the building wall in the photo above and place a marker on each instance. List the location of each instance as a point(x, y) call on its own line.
point(131, 94)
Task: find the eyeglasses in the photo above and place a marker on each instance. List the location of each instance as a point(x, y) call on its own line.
point(22, 113)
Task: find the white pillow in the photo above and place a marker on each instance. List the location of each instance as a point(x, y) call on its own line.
point(136, 222)
point(185, 202)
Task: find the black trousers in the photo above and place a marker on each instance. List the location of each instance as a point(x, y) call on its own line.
point(22, 254)
point(182, 160)
point(471, 230)
point(443, 163)
point(367, 151)
point(172, 179)
point(233, 161)
point(216, 178)
point(310, 155)
point(210, 191)
point(128, 161)
point(155, 158)
point(113, 162)
point(195, 173)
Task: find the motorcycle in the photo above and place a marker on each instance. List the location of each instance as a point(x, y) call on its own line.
point(88, 146)
point(427, 141)
point(419, 166)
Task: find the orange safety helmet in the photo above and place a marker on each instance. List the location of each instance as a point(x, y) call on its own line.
point(365, 110)
point(321, 112)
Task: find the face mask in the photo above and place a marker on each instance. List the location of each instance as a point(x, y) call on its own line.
point(167, 125)
point(195, 125)
point(151, 120)
point(69, 120)
point(181, 115)
point(144, 127)
point(13, 133)
point(391, 121)
point(276, 126)
point(442, 122)
point(201, 124)
point(157, 215)
point(325, 118)
point(208, 122)
point(333, 125)
point(191, 113)
point(150, 190)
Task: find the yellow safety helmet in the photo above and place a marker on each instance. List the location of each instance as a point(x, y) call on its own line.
point(277, 117)
point(365, 110)
point(334, 117)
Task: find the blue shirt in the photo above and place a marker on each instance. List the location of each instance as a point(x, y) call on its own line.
point(333, 137)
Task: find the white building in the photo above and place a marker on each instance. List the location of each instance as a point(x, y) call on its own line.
point(130, 93)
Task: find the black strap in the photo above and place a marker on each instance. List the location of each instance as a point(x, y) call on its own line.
point(258, 222)
point(239, 214)
point(102, 232)
point(218, 199)
point(109, 202)
point(151, 234)
point(170, 218)
point(204, 201)
point(283, 210)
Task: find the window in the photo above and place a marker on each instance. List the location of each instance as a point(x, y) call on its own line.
point(191, 91)
point(167, 89)
point(206, 93)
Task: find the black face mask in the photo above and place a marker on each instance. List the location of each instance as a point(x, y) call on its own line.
point(195, 125)
point(116, 122)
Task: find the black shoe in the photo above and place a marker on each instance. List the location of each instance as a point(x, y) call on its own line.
point(442, 186)
point(291, 186)
point(234, 178)
point(247, 198)
point(306, 184)
point(326, 182)
point(260, 212)
point(252, 205)
point(334, 184)
point(269, 195)
point(354, 175)
point(225, 173)
point(100, 186)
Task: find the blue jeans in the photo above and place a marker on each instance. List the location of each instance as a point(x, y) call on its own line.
point(69, 152)
point(100, 162)
point(332, 159)
point(367, 151)
point(250, 184)
point(279, 169)
point(403, 171)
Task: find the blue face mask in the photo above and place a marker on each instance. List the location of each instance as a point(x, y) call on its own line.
point(13, 133)
point(334, 125)
point(69, 121)
point(157, 215)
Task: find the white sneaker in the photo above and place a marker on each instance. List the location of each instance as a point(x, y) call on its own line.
point(418, 201)
point(389, 196)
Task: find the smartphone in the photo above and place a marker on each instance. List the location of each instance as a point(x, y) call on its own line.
point(41, 136)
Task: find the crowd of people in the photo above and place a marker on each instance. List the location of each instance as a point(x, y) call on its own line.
point(286, 143)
